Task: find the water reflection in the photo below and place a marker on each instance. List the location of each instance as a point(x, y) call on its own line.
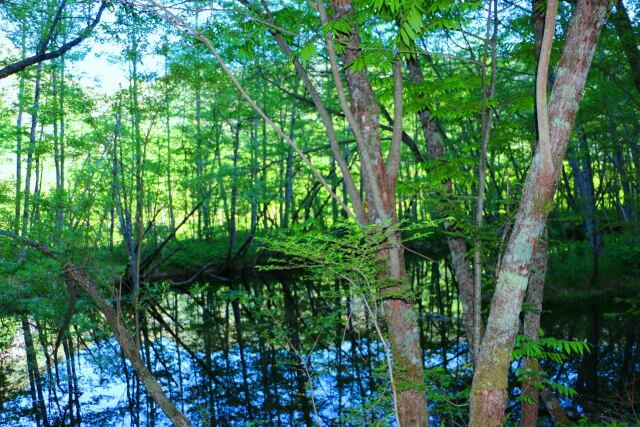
point(288, 351)
point(608, 377)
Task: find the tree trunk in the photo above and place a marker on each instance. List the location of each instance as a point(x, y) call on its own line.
point(553, 406)
point(234, 189)
point(31, 150)
point(583, 180)
point(626, 207)
point(489, 387)
point(288, 178)
point(128, 344)
point(37, 398)
point(533, 299)
point(535, 289)
point(380, 188)
point(167, 102)
point(457, 246)
point(113, 317)
point(19, 154)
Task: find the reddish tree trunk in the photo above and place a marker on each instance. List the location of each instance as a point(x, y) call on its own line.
point(457, 246)
point(533, 299)
point(380, 196)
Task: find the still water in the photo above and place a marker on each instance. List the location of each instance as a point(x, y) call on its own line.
point(276, 350)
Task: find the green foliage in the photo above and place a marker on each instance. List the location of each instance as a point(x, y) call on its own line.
point(547, 349)
point(448, 393)
point(585, 422)
point(161, 145)
point(350, 253)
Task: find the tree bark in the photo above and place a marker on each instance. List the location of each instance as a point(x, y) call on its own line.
point(583, 181)
point(123, 336)
point(234, 189)
point(37, 398)
point(457, 246)
point(379, 181)
point(128, 345)
point(42, 55)
point(535, 289)
point(19, 155)
point(31, 150)
point(533, 299)
point(489, 387)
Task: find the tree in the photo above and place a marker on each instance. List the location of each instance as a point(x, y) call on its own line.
point(488, 393)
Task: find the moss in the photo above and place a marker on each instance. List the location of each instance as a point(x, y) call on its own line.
point(514, 279)
point(559, 122)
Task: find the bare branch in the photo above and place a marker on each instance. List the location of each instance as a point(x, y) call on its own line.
point(76, 275)
point(393, 161)
point(544, 144)
point(326, 121)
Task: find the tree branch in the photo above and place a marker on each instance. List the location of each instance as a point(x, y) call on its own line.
point(46, 56)
point(544, 144)
point(180, 24)
point(393, 161)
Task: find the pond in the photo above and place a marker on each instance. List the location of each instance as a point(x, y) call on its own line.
point(275, 349)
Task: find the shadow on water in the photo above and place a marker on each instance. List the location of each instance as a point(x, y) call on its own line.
point(277, 350)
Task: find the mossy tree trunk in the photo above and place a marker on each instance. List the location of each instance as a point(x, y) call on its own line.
point(533, 299)
point(489, 387)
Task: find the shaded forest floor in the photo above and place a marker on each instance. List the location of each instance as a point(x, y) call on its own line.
point(573, 272)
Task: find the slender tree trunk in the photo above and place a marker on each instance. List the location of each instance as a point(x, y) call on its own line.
point(128, 344)
point(113, 317)
point(533, 300)
point(265, 213)
point(487, 118)
point(583, 179)
point(19, 154)
point(58, 89)
point(34, 374)
point(288, 178)
point(535, 289)
point(70, 384)
point(76, 388)
point(61, 138)
point(626, 207)
point(553, 406)
point(457, 246)
point(235, 305)
point(31, 151)
point(139, 189)
point(254, 196)
point(234, 189)
point(167, 100)
point(208, 320)
point(296, 344)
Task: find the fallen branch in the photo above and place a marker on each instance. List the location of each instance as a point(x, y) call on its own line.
point(127, 342)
